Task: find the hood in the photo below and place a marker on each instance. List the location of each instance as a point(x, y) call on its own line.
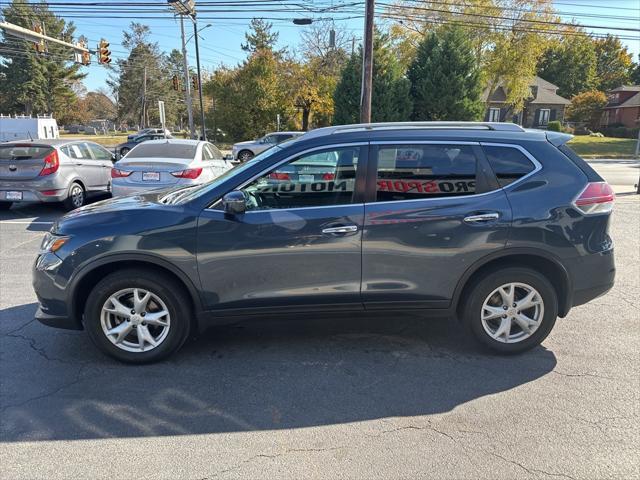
point(111, 213)
point(248, 142)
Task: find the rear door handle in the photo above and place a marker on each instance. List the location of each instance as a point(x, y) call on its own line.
point(482, 218)
point(340, 229)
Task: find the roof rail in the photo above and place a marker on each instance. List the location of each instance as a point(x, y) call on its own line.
point(503, 127)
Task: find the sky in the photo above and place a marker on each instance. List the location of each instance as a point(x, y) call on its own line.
point(220, 42)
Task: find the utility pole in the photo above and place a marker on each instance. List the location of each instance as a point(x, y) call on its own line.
point(187, 84)
point(367, 64)
point(143, 121)
point(195, 33)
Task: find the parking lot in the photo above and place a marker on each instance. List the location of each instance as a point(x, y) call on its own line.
point(356, 397)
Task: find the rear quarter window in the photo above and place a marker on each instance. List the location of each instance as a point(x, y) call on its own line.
point(509, 164)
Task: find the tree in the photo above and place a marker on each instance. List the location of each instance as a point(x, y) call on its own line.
point(35, 83)
point(445, 78)
point(613, 63)
point(390, 97)
point(260, 37)
point(508, 36)
point(141, 79)
point(570, 63)
point(587, 107)
point(634, 76)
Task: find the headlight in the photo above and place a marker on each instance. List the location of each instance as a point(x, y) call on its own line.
point(52, 243)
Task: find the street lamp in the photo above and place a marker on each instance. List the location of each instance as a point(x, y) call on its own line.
point(203, 28)
point(187, 7)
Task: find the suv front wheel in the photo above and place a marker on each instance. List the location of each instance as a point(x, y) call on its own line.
point(137, 316)
point(511, 310)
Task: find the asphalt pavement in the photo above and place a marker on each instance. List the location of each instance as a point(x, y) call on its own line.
point(351, 397)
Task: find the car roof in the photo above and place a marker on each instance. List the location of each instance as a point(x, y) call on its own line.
point(52, 142)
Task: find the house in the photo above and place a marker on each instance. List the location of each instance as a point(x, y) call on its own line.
point(623, 107)
point(544, 105)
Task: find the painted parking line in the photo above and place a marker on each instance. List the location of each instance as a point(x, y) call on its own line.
point(25, 222)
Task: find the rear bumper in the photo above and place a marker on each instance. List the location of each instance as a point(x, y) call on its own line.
point(593, 275)
point(33, 195)
point(124, 191)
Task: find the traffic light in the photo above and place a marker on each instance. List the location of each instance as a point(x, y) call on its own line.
point(194, 82)
point(176, 83)
point(40, 46)
point(104, 55)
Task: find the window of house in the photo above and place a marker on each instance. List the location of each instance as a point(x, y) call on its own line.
point(414, 172)
point(544, 116)
point(316, 179)
point(508, 163)
point(494, 114)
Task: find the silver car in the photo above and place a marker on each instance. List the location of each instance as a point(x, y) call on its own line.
point(161, 164)
point(53, 171)
point(244, 151)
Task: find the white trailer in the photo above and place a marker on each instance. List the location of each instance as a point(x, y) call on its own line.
point(25, 128)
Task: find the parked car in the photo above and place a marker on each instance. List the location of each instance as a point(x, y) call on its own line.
point(147, 131)
point(503, 228)
point(53, 171)
point(124, 148)
point(167, 163)
point(244, 151)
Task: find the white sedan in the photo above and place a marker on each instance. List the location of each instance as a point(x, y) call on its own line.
point(167, 163)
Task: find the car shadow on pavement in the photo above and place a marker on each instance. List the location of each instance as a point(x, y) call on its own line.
point(261, 375)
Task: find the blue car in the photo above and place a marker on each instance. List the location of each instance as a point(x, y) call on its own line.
point(500, 228)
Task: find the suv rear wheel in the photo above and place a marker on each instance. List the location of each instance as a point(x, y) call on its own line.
point(137, 316)
point(511, 310)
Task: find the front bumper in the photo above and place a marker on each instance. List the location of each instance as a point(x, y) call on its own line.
point(53, 310)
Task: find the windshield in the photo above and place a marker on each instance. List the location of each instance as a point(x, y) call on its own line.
point(164, 150)
point(189, 193)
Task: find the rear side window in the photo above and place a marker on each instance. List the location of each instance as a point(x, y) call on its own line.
point(414, 172)
point(509, 164)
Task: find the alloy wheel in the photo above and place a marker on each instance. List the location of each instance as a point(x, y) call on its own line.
point(512, 312)
point(135, 320)
point(77, 196)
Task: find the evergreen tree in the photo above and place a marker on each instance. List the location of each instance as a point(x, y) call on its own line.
point(570, 63)
point(260, 37)
point(390, 99)
point(34, 83)
point(445, 78)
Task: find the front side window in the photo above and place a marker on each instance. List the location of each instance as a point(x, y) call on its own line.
point(508, 163)
point(415, 172)
point(313, 180)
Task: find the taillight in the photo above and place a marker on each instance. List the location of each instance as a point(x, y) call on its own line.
point(597, 197)
point(329, 176)
point(279, 176)
point(188, 173)
point(116, 173)
point(51, 164)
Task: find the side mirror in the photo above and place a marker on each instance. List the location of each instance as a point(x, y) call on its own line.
point(234, 203)
point(114, 158)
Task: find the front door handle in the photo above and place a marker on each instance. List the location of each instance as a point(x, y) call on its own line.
point(482, 218)
point(340, 229)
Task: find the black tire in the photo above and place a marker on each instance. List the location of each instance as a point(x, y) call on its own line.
point(480, 291)
point(77, 197)
point(5, 205)
point(124, 151)
point(169, 292)
point(245, 155)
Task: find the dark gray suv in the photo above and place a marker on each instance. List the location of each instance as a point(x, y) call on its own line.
point(502, 228)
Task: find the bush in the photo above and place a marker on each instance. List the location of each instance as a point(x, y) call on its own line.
point(619, 132)
point(554, 126)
